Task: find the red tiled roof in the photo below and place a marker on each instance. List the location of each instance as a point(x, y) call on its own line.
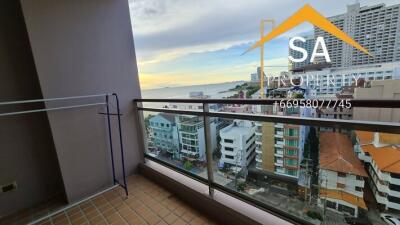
point(336, 154)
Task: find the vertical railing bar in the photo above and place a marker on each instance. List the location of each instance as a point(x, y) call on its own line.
point(110, 137)
point(121, 145)
point(207, 135)
point(141, 132)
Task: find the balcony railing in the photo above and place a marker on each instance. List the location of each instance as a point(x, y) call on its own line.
point(283, 195)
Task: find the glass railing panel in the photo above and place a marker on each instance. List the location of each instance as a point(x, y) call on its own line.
point(322, 177)
point(310, 174)
point(182, 145)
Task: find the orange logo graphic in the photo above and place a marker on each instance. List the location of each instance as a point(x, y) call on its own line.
point(308, 14)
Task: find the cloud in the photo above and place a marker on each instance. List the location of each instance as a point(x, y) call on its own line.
point(218, 75)
point(174, 27)
point(179, 42)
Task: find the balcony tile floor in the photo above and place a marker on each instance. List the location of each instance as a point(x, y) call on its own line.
point(147, 203)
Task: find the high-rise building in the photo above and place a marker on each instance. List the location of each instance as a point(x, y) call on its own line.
point(329, 81)
point(308, 45)
point(279, 146)
point(238, 144)
point(376, 28)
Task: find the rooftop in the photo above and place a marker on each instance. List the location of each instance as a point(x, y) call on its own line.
point(238, 127)
point(336, 154)
point(386, 154)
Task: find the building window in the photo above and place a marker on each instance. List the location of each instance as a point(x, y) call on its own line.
point(394, 187)
point(229, 149)
point(340, 174)
point(346, 209)
point(330, 204)
point(228, 140)
point(394, 199)
point(359, 177)
point(395, 175)
point(229, 156)
point(291, 162)
point(339, 185)
point(359, 189)
point(292, 172)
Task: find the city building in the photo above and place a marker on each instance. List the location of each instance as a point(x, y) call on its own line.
point(341, 175)
point(328, 81)
point(381, 154)
point(194, 106)
point(256, 77)
point(378, 89)
point(338, 111)
point(308, 45)
point(164, 133)
point(375, 27)
point(279, 146)
point(237, 144)
point(191, 137)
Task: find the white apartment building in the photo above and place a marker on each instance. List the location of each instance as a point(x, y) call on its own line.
point(341, 175)
point(238, 144)
point(376, 28)
point(164, 133)
point(381, 154)
point(329, 81)
point(192, 139)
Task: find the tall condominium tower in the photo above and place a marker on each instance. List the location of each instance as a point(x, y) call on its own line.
point(376, 28)
point(308, 45)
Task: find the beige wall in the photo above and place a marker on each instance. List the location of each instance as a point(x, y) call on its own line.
point(380, 90)
point(268, 147)
point(84, 47)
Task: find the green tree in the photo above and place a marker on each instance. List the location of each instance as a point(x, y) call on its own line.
point(241, 186)
point(188, 165)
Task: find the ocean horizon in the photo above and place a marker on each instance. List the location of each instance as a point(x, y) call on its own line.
point(218, 90)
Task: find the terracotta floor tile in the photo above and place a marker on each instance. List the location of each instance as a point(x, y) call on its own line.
point(171, 218)
point(147, 204)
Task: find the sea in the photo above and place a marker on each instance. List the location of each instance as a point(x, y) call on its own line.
point(219, 90)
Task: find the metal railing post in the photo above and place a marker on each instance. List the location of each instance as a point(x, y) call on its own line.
point(141, 130)
point(209, 150)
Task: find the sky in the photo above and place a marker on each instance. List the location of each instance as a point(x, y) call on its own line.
point(189, 42)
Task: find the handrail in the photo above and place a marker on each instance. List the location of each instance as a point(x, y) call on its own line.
point(50, 99)
point(371, 103)
point(375, 126)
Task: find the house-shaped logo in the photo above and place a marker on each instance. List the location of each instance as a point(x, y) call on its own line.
point(308, 14)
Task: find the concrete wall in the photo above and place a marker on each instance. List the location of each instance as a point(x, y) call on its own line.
point(379, 90)
point(27, 153)
point(85, 47)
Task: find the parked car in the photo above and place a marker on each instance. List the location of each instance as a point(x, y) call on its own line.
point(357, 221)
point(389, 219)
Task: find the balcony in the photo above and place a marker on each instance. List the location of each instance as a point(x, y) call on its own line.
point(206, 173)
point(76, 145)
